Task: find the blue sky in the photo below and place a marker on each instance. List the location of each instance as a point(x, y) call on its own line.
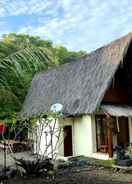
point(77, 24)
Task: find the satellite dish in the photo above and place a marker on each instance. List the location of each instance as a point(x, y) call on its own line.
point(56, 107)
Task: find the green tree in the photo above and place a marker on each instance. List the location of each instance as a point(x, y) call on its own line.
point(21, 56)
point(66, 56)
point(18, 63)
point(24, 40)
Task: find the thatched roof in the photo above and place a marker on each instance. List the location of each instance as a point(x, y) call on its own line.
point(80, 85)
point(117, 110)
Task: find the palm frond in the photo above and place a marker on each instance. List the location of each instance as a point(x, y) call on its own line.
point(17, 70)
point(29, 59)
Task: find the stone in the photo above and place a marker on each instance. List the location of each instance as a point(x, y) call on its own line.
point(126, 162)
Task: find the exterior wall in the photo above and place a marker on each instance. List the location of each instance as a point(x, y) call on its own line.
point(130, 129)
point(42, 138)
point(84, 139)
point(83, 135)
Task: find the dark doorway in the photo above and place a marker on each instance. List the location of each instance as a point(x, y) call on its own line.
point(68, 141)
point(123, 135)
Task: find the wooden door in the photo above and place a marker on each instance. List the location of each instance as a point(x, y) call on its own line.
point(123, 135)
point(68, 141)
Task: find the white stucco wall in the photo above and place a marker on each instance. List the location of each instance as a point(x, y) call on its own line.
point(83, 135)
point(130, 129)
point(42, 138)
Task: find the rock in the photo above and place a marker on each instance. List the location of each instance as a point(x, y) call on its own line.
point(62, 159)
point(64, 165)
point(101, 168)
point(73, 162)
point(125, 162)
point(8, 174)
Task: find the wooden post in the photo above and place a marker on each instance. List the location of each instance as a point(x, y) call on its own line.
point(110, 142)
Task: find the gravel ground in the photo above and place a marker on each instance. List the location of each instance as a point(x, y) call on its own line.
point(81, 176)
point(88, 175)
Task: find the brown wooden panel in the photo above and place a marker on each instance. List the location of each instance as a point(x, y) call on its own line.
point(110, 143)
point(123, 135)
point(116, 95)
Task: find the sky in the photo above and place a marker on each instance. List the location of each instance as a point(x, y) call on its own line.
point(76, 24)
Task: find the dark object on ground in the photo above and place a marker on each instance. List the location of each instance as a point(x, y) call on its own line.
point(10, 173)
point(120, 152)
point(79, 161)
point(92, 176)
point(36, 167)
point(126, 162)
point(21, 146)
point(122, 159)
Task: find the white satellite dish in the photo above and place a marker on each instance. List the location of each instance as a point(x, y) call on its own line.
point(56, 107)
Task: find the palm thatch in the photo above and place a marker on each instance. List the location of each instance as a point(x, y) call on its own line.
point(117, 110)
point(79, 86)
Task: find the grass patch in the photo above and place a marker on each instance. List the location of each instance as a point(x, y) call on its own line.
point(104, 163)
point(94, 161)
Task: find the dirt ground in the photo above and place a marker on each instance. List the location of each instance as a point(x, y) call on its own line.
point(89, 175)
point(81, 176)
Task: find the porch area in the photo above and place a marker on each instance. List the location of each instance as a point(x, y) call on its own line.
point(114, 127)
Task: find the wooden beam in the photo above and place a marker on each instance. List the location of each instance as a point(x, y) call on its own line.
point(110, 142)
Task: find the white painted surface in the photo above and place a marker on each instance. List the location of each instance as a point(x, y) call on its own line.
point(43, 138)
point(83, 138)
point(130, 129)
point(102, 156)
point(83, 135)
point(94, 143)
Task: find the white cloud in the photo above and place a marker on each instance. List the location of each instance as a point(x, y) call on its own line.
point(79, 24)
point(17, 7)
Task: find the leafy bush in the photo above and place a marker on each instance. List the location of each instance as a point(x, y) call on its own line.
point(36, 167)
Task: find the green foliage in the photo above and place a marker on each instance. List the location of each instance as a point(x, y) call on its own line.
point(35, 167)
point(104, 163)
point(21, 56)
point(21, 41)
point(16, 73)
point(9, 103)
point(65, 56)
